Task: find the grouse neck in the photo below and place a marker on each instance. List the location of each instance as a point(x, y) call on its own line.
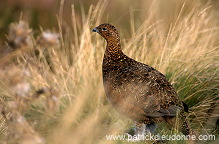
point(113, 50)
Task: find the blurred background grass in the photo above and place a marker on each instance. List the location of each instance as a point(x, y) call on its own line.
point(44, 12)
point(51, 75)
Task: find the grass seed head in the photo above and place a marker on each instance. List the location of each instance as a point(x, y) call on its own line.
point(48, 38)
point(19, 35)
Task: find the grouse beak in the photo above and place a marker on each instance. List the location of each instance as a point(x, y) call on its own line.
point(95, 30)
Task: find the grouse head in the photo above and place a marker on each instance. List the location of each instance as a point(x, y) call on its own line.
point(107, 31)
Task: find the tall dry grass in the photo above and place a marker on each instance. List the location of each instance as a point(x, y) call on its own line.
point(54, 83)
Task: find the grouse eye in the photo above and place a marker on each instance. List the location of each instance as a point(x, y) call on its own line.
point(104, 29)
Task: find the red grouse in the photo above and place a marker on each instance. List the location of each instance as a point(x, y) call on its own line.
point(137, 90)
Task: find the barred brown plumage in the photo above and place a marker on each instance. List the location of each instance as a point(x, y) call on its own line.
point(137, 90)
